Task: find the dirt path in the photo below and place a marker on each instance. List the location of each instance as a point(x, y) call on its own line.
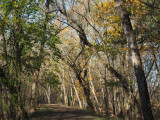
point(59, 112)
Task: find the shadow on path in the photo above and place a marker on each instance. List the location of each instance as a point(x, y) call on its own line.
point(59, 112)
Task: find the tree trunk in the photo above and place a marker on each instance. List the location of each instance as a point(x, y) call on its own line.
point(48, 94)
point(33, 97)
point(92, 87)
point(85, 85)
point(136, 60)
point(79, 100)
point(64, 88)
point(87, 95)
point(86, 90)
point(106, 100)
point(113, 103)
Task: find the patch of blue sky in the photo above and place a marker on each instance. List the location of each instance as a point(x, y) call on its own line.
point(152, 77)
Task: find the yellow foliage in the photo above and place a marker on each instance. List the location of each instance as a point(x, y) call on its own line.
point(124, 49)
point(142, 49)
point(135, 7)
point(80, 90)
point(89, 78)
point(107, 17)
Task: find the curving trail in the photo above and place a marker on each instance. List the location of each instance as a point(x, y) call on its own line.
point(59, 112)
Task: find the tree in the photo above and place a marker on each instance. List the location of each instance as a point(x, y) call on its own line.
point(137, 63)
point(26, 32)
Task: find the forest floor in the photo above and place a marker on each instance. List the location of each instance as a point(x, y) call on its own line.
point(60, 112)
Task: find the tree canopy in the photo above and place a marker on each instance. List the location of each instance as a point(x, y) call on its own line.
point(102, 55)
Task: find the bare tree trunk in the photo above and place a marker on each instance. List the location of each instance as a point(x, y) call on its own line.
point(106, 101)
point(102, 89)
point(33, 97)
point(68, 97)
point(64, 88)
point(113, 104)
point(86, 90)
point(92, 87)
point(48, 94)
point(136, 60)
point(85, 85)
point(79, 100)
point(71, 96)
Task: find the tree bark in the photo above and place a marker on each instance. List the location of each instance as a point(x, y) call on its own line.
point(48, 94)
point(64, 88)
point(79, 100)
point(106, 95)
point(113, 104)
point(86, 89)
point(92, 87)
point(33, 96)
point(136, 60)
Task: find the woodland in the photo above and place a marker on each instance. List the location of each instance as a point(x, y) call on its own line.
point(98, 55)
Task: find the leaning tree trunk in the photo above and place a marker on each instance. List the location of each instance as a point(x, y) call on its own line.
point(86, 90)
point(136, 60)
point(92, 87)
point(79, 100)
